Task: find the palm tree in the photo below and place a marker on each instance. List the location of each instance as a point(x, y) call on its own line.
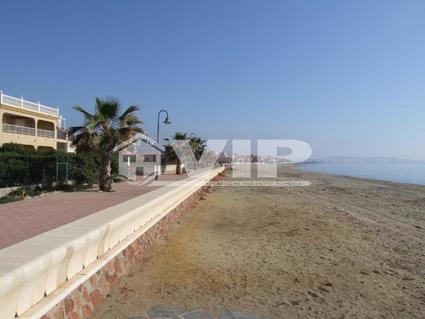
point(198, 145)
point(171, 154)
point(103, 131)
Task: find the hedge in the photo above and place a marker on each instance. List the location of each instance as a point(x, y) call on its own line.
point(20, 166)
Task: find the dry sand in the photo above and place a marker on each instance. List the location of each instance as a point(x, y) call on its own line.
point(340, 248)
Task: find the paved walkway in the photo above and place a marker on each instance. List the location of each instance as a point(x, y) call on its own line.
point(30, 217)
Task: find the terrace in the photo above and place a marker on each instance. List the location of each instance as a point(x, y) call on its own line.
point(22, 104)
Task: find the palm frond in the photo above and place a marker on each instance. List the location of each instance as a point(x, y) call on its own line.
point(93, 124)
point(84, 138)
point(180, 136)
point(124, 133)
point(73, 130)
point(107, 109)
point(103, 130)
point(81, 110)
point(131, 120)
point(131, 109)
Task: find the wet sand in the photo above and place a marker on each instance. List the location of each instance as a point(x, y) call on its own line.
point(339, 248)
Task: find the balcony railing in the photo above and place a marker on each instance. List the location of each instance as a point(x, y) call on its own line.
point(61, 135)
point(27, 105)
point(24, 130)
point(45, 133)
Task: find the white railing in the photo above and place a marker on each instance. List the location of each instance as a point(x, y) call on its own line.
point(25, 130)
point(45, 133)
point(27, 105)
point(17, 129)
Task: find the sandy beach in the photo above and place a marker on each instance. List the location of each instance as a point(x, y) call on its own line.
point(339, 248)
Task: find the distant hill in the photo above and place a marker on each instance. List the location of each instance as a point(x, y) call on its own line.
point(364, 160)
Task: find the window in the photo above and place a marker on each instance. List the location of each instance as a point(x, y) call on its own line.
point(149, 158)
point(132, 158)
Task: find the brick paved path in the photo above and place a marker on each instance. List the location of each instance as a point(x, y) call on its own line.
point(30, 217)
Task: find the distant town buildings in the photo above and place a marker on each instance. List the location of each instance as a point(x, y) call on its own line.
point(253, 158)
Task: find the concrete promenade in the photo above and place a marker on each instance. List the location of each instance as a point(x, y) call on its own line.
point(30, 217)
point(42, 273)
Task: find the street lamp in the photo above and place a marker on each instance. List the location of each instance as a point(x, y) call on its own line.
point(166, 121)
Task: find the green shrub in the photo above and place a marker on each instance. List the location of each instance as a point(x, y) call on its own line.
point(84, 168)
point(20, 166)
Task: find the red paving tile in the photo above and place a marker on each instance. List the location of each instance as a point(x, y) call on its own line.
point(28, 218)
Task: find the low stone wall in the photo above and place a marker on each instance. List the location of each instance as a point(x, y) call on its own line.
point(6, 190)
point(83, 301)
point(43, 271)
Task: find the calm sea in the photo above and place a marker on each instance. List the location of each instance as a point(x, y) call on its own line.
point(413, 173)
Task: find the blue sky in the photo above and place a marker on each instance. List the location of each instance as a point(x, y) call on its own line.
point(348, 77)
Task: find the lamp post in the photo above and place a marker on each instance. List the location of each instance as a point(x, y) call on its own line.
point(166, 121)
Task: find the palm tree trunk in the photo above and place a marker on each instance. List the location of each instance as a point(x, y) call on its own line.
point(178, 167)
point(105, 180)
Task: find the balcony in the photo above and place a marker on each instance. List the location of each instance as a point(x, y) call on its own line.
point(45, 133)
point(27, 126)
point(18, 129)
point(24, 130)
point(45, 129)
point(20, 103)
